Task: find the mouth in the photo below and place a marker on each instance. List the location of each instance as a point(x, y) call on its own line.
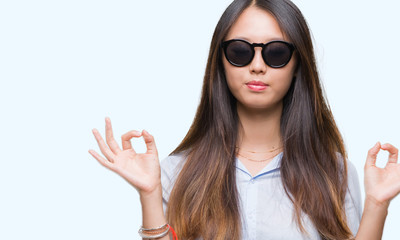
point(256, 85)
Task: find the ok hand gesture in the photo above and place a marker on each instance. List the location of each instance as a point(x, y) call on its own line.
point(382, 184)
point(141, 170)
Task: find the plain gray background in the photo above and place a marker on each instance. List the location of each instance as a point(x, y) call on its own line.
point(65, 65)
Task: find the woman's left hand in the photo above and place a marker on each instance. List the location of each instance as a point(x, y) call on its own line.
point(382, 184)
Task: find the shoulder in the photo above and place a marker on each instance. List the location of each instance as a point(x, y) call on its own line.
point(170, 168)
point(351, 169)
point(172, 164)
point(352, 175)
point(353, 202)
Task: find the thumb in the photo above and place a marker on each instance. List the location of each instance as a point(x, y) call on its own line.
point(372, 154)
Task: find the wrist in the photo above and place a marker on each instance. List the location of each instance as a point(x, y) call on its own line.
point(373, 204)
point(154, 194)
point(152, 208)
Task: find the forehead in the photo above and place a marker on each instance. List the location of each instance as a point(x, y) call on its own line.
point(256, 25)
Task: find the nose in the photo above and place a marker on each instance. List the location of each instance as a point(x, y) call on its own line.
point(258, 65)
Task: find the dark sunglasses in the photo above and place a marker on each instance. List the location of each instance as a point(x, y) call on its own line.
point(240, 53)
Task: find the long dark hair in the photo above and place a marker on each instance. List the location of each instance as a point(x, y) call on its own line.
point(204, 201)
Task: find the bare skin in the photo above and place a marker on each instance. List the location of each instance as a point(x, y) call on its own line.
point(381, 186)
point(258, 109)
point(141, 170)
point(251, 138)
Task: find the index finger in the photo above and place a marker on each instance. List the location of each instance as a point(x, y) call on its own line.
point(126, 139)
point(110, 137)
point(372, 154)
point(150, 143)
point(393, 152)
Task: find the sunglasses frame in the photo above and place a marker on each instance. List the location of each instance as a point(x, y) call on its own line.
point(225, 44)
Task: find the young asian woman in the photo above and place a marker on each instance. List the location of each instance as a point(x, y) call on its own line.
point(263, 158)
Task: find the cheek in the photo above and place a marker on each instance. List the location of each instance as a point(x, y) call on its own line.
point(286, 86)
point(281, 81)
point(287, 77)
point(286, 82)
point(233, 76)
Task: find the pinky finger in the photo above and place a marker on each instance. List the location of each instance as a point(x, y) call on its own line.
point(103, 161)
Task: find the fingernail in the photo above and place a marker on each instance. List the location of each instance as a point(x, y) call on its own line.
point(145, 132)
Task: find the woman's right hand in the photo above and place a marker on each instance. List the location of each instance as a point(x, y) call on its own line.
point(141, 170)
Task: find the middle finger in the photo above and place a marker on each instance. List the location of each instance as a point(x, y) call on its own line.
point(110, 137)
point(103, 146)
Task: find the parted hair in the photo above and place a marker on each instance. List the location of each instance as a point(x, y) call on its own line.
point(204, 201)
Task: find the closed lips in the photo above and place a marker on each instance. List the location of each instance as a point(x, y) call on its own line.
point(256, 83)
point(256, 86)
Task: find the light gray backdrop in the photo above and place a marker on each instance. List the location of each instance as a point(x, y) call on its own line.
point(65, 65)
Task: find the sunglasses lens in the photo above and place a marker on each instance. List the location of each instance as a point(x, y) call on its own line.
point(277, 54)
point(239, 53)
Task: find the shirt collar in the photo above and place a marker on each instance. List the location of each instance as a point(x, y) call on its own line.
point(271, 167)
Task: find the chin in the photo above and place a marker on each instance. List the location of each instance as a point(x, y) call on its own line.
point(261, 106)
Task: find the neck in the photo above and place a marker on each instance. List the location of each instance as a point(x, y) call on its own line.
point(259, 130)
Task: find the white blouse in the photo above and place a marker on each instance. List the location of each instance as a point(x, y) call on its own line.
point(267, 213)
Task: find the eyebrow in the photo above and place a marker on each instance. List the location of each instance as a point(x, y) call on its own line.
point(269, 39)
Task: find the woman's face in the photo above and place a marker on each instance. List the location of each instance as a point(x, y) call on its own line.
point(258, 26)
